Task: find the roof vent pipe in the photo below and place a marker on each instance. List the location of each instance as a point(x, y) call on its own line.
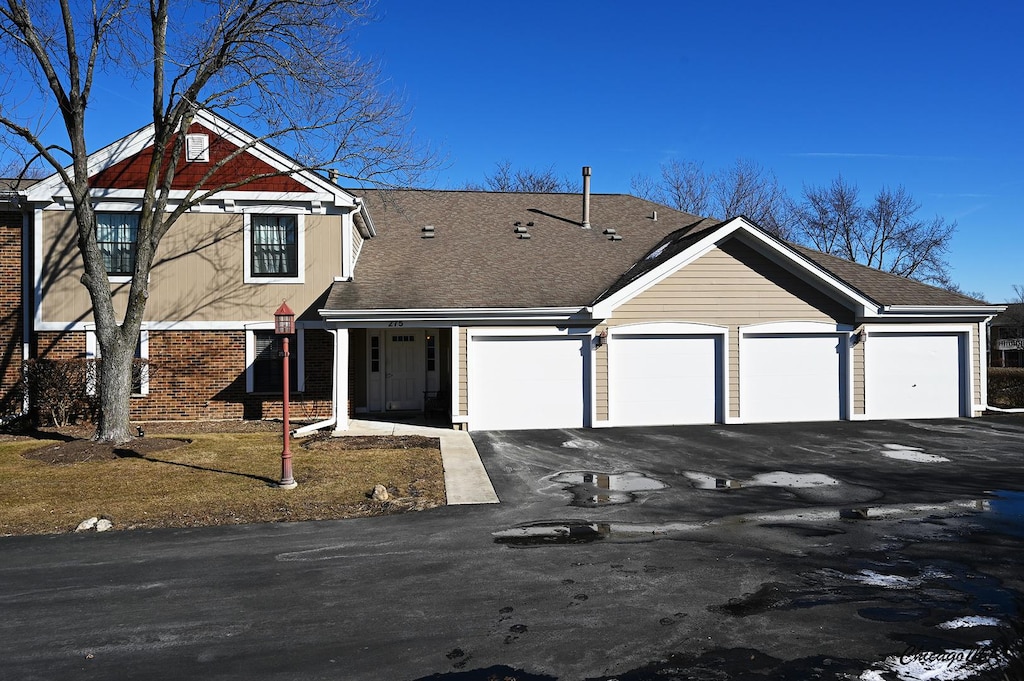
point(586, 197)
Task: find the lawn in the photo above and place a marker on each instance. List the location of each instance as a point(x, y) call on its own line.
point(50, 482)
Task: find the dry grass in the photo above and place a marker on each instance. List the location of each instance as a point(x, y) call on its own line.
point(208, 479)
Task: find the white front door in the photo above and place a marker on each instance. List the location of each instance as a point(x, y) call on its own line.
point(404, 370)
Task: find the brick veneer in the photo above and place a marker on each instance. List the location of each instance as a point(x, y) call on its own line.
point(198, 375)
point(10, 312)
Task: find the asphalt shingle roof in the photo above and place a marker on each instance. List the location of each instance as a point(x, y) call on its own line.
point(476, 260)
point(885, 288)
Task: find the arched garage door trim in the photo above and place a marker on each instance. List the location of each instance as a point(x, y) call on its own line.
point(667, 373)
point(795, 371)
point(527, 378)
point(914, 372)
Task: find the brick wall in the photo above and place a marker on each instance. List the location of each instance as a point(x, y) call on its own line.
point(10, 312)
point(199, 375)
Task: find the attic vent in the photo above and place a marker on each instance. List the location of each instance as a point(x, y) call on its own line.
point(610, 230)
point(520, 230)
point(427, 232)
point(197, 148)
point(524, 235)
point(615, 237)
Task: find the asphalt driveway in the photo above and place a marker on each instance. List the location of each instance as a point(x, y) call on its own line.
point(872, 551)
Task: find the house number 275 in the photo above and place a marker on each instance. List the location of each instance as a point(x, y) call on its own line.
point(394, 324)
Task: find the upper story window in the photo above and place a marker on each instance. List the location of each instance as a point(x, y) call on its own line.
point(117, 234)
point(274, 249)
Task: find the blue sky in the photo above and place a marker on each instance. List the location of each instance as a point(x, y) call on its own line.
point(925, 94)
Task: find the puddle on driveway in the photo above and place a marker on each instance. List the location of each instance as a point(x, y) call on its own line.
point(592, 488)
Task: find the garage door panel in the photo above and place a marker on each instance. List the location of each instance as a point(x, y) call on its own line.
point(791, 378)
point(526, 382)
point(664, 380)
point(914, 375)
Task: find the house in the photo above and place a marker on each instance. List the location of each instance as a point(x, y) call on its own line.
point(1006, 334)
point(497, 310)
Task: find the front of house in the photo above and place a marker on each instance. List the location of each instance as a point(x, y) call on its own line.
point(497, 310)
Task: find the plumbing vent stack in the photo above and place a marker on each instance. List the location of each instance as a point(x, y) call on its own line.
point(428, 232)
point(586, 197)
point(654, 215)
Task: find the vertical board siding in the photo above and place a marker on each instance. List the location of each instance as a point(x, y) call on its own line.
point(463, 371)
point(601, 378)
point(732, 286)
point(858, 378)
point(198, 273)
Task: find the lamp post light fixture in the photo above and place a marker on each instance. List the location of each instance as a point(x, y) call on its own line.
point(284, 326)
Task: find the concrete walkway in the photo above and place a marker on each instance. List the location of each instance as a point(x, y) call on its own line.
point(465, 480)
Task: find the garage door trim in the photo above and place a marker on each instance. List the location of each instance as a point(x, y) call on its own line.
point(842, 334)
point(477, 337)
point(720, 334)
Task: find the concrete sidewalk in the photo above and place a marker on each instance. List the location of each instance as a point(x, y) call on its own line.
point(465, 480)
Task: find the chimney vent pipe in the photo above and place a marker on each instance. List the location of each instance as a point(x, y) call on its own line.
point(586, 197)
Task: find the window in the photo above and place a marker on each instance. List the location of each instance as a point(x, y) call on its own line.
point(275, 250)
point(267, 369)
point(431, 353)
point(140, 363)
point(117, 234)
point(375, 354)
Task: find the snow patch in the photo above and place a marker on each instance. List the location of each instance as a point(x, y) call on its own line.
point(916, 454)
point(581, 444)
point(970, 621)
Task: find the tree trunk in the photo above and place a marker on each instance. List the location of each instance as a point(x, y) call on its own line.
point(115, 387)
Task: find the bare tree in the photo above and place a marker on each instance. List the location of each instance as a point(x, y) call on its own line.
point(887, 235)
point(285, 67)
point(744, 189)
point(508, 179)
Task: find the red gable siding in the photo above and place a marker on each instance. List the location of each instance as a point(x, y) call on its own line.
point(131, 172)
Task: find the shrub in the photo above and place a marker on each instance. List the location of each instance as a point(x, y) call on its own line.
point(1006, 387)
point(61, 390)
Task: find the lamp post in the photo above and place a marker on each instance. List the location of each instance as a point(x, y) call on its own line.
point(284, 326)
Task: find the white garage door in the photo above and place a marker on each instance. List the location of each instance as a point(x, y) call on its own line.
point(791, 377)
point(663, 380)
point(518, 382)
point(914, 375)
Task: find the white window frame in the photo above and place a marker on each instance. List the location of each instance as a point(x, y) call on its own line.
point(250, 356)
point(300, 244)
point(120, 278)
point(92, 352)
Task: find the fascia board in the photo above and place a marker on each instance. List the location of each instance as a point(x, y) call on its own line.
point(829, 280)
point(371, 230)
point(605, 308)
point(944, 310)
point(563, 314)
point(267, 152)
point(139, 140)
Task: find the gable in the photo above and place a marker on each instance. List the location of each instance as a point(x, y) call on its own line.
point(732, 284)
point(131, 173)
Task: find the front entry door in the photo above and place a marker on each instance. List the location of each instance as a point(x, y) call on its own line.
point(405, 376)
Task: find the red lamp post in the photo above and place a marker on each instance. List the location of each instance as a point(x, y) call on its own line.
point(284, 326)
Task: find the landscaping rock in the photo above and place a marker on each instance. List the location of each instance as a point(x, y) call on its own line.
point(103, 525)
point(380, 493)
point(87, 524)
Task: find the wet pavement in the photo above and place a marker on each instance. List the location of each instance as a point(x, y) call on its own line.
point(868, 551)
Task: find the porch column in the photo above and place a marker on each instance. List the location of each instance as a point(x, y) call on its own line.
point(341, 396)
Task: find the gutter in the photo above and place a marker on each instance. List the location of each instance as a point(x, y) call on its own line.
point(313, 427)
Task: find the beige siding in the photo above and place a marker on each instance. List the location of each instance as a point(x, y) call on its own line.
point(731, 286)
point(198, 275)
point(978, 367)
point(601, 379)
point(858, 378)
point(463, 388)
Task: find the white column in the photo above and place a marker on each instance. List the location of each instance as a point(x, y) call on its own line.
point(341, 396)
